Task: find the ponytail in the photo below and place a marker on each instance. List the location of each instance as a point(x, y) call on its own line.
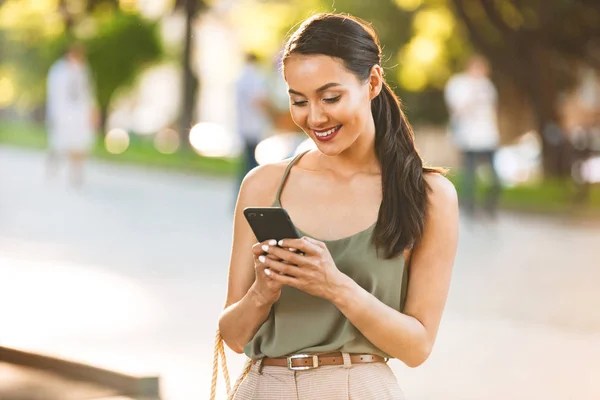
point(401, 218)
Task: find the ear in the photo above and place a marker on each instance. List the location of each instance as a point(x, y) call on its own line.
point(375, 81)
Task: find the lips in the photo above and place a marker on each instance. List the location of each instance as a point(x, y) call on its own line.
point(325, 135)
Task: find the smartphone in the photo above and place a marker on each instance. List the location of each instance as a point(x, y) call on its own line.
point(270, 223)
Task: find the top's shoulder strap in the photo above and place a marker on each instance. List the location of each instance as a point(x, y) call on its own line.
point(285, 176)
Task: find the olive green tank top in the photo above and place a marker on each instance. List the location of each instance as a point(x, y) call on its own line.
point(301, 323)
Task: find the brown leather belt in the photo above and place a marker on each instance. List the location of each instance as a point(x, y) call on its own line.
point(310, 361)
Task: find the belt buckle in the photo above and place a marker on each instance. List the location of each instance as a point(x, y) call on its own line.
point(315, 360)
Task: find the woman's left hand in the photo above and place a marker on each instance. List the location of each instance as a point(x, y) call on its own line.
point(313, 271)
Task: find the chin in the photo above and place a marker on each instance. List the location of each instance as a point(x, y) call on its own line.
point(330, 150)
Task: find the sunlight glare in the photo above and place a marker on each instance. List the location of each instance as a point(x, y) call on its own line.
point(46, 301)
point(213, 140)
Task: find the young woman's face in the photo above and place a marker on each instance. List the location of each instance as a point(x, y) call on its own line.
point(328, 102)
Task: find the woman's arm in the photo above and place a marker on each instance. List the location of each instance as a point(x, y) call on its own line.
point(409, 336)
point(248, 301)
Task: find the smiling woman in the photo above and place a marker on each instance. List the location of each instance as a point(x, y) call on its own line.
point(322, 322)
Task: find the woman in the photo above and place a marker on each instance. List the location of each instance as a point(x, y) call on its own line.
point(367, 209)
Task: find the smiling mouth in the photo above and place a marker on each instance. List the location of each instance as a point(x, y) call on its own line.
point(328, 133)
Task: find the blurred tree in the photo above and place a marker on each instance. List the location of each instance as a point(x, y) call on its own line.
point(192, 9)
point(120, 44)
point(534, 43)
point(123, 45)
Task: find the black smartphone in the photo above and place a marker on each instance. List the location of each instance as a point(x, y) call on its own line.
point(270, 223)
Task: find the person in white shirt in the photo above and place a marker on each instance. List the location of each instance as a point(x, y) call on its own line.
point(252, 110)
point(472, 103)
point(71, 114)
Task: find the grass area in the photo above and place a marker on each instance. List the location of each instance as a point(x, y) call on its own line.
point(545, 197)
point(141, 151)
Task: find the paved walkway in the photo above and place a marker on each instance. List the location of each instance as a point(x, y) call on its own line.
point(130, 273)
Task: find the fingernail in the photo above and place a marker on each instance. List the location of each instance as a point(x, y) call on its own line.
point(265, 247)
point(267, 271)
point(281, 242)
point(292, 249)
point(273, 242)
point(262, 259)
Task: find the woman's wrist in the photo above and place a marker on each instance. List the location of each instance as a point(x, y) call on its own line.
point(258, 299)
point(344, 291)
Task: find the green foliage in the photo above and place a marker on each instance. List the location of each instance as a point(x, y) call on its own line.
point(119, 46)
point(122, 46)
point(26, 57)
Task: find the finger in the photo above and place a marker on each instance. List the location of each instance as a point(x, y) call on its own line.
point(278, 266)
point(316, 242)
point(305, 245)
point(257, 248)
point(283, 254)
point(283, 279)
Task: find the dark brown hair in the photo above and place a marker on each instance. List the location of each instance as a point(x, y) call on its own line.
point(401, 218)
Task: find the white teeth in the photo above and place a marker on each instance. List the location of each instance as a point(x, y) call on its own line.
point(326, 133)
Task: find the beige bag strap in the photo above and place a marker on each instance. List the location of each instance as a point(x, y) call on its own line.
point(219, 353)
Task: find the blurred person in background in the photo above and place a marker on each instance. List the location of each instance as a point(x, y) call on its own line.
point(472, 103)
point(252, 111)
point(322, 322)
point(71, 113)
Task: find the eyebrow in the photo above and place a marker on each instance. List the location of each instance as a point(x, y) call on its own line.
point(322, 88)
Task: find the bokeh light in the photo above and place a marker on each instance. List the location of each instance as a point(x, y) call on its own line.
point(435, 23)
point(166, 141)
point(128, 5)
point(521, 162)
point(412, 78)
point(278, 147)
point(7, 91)
point(408, 5)
point(213, 140)
point(423, 50)
point(116, 141)
point(273, 149)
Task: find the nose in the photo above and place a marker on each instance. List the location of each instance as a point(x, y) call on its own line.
point(316, 117)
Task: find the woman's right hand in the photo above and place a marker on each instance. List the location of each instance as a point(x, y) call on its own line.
point(267, 290)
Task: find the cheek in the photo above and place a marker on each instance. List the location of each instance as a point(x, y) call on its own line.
point(298, 115)
point(354, 112)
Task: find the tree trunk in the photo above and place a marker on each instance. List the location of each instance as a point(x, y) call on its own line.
point(543, 94)
point(190, 83)
point(103, 121)
point(67, 17)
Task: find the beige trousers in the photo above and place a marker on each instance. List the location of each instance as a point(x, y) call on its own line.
point(337, 382)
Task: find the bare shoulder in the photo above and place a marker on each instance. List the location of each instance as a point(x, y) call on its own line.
point(259, 186)
point(442, 193)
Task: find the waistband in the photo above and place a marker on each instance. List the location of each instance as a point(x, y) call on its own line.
point(310, 361)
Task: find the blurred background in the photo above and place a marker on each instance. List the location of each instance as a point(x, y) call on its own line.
point(113, 266)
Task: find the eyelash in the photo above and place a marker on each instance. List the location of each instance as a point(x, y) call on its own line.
point(329, 101)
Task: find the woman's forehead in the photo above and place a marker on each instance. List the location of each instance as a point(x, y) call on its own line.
point(309, 72)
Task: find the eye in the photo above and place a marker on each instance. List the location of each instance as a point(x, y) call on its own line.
point(332, 99)
point(299, 103)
